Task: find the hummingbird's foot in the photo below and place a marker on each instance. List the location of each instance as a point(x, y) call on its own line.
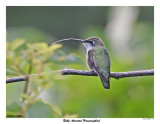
point(66, 68)
point(93, 71)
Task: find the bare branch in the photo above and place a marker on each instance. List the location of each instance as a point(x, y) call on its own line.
point(115, 75)
point(16, 79)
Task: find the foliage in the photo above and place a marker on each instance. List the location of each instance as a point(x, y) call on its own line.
point(33, 59)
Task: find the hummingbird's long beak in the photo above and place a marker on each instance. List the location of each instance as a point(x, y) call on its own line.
point(74, 39)
point(80, 40)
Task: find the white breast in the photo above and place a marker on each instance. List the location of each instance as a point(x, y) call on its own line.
point(89, 47)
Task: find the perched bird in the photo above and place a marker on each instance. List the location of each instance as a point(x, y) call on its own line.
point(98, 59)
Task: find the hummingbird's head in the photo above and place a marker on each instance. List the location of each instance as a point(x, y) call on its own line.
point(92, 42)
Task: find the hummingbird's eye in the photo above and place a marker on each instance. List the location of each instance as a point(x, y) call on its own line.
point(92, 42)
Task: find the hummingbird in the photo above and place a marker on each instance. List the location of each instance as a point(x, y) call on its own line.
point(97, 57)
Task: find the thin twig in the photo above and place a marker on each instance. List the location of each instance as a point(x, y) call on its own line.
point(27, 80)
point(115, 75)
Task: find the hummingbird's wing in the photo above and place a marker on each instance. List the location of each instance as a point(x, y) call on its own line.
point(101, 64)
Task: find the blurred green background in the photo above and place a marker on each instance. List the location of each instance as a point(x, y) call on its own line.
point(128, 34)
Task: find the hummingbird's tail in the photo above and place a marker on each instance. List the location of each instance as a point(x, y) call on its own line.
point(105, 82)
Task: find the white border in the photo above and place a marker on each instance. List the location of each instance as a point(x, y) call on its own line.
point(157, 61)
point(2, 61)
point(80, 2)
point(5, 3)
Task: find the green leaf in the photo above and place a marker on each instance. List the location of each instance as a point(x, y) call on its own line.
point(17, 43)
point(40, 110)
point(54, 47)
point(13, 107)
point(57, 111)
